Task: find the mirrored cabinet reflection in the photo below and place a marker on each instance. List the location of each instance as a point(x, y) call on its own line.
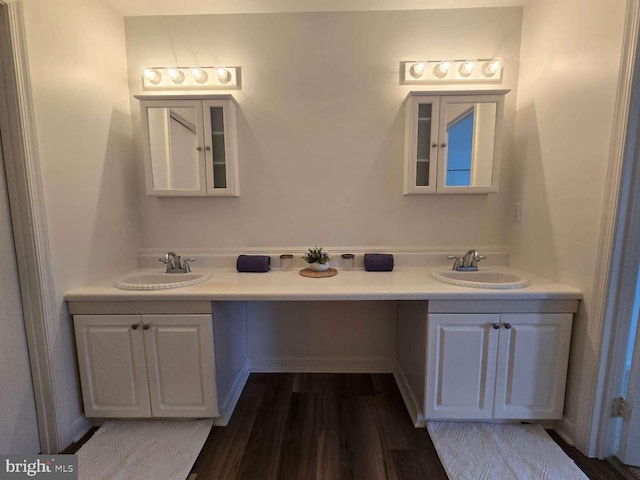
point(453, 141)
point(190, 145)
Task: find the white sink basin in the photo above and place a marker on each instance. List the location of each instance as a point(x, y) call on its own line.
point(159, 280)
point(481, 278)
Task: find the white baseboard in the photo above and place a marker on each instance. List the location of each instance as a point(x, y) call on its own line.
point(229, 404)
point(79, 427)
point(321, 365)
point(566, 429)
point(417, 417)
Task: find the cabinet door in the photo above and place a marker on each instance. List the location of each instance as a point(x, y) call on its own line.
point(469, 143)
point(532, 366)
point(179, 350)
point(421, 148)
point(461, 366)
point(112, 367)
point(174, 147)
point(221, 149)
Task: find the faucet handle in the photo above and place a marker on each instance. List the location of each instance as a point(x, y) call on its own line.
point(476, 259)
point(185, 264)
point(166, 259)
point(456, 261)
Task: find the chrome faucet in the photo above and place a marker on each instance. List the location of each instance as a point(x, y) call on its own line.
point(471, 259)
point(175, 264)
point(468, 262)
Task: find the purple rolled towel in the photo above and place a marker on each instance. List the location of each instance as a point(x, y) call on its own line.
point(378, 262)
point(253, 263)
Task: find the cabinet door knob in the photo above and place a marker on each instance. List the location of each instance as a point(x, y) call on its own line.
point(207, 148)
point(434, 145)
point(495, 326)
point(507, 326)
point(199, 148)
point(145, 326)
point(443, 145)
point(134, 326)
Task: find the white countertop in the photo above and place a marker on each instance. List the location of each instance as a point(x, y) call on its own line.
point(403, 283)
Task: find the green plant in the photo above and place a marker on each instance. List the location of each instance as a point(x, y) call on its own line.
point(316, 255)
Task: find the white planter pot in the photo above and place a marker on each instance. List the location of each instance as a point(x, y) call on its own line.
point(319, 267)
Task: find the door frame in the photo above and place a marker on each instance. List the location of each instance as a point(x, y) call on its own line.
point(28, 219)
point(627, 450)
point(620, 242)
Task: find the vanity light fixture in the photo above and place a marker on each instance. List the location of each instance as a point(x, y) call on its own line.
point(186, 78)
point(488, 70)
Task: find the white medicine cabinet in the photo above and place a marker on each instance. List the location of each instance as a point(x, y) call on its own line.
point(453, 141)
point(190, 145)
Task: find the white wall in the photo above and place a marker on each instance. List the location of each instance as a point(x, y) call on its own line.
point(321, 335)
point(77, 66)
point(321, 100)
point(566, 94)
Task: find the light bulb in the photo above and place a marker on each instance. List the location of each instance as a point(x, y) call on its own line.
point(493, 66)
point(417, 69)
point(224, 75)
point(152, 75)
point(466, 68)
point(199, 75)
point(176, 75)
point(442, 69)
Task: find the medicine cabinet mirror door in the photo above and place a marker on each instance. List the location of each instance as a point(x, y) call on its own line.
point(469, 144)
point(174, 153)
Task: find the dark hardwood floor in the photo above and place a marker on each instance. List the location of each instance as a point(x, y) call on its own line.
point(594, 469)
point(319, 426)
point(330, 426)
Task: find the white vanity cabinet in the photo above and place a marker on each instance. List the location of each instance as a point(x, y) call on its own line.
point(496, 366)
point(190, 145)
point(484, 359)
point(453, 141)
point(149, 365)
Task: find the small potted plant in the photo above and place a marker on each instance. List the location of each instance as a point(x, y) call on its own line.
point(317, 259)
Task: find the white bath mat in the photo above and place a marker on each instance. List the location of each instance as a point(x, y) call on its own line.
point(143, 450)
point(485, 451)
